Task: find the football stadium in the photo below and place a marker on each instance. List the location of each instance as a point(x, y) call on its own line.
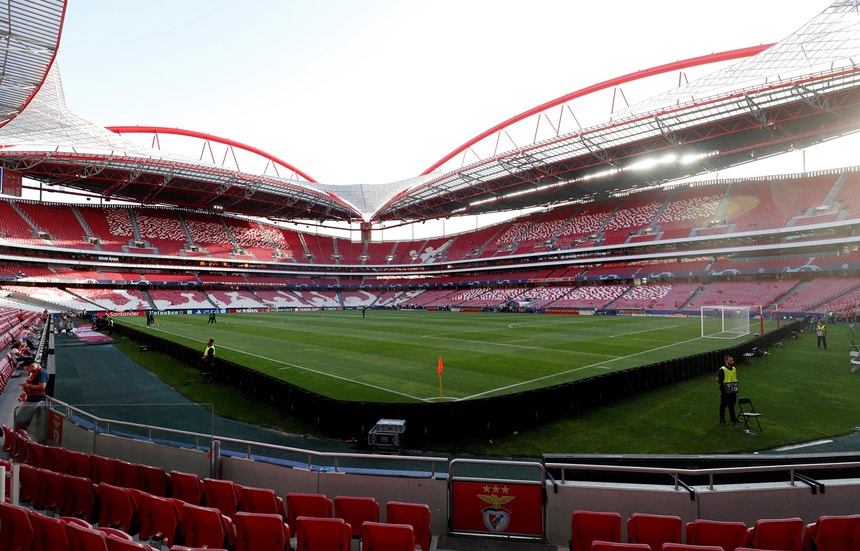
point(205, 347)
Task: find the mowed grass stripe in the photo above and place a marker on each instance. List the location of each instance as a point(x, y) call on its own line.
point(392, 355)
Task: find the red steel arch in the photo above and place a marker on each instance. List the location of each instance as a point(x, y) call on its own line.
point(208, 137)
point(629, 77)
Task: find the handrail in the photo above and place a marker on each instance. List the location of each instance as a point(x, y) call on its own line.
point(53, 403)
point(676, 472)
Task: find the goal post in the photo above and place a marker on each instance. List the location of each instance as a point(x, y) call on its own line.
point(725, 322)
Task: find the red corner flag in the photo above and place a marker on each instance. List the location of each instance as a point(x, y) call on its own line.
point(439, 369)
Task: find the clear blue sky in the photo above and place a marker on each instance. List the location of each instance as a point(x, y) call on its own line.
point(376, 91)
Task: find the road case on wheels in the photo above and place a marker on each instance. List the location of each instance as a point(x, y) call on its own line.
point(387, 436)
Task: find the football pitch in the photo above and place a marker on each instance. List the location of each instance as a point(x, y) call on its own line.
point(394, 356)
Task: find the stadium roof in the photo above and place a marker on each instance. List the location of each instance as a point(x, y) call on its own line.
point(29, 36)
point(773, 98)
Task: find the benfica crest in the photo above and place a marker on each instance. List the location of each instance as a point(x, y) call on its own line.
point(496, 518)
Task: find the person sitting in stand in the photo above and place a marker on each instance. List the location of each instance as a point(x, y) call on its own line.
point(33, 392)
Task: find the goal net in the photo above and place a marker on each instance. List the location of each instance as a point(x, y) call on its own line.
point(725, 322)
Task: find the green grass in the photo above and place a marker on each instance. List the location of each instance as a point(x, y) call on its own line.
point(805, 394)
point(392, 356)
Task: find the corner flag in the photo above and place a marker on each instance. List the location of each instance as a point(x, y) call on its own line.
point(439, 369)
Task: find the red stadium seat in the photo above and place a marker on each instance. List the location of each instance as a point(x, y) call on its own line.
point(154, 480)
point(127, 475)
point(654, 530)
point(49, 533)
point(78, 464)
point(102, 469)
point(79, 499)
point(726, 535)
point(206, 527)
point(51, 490)
point(56, 459)
point(323, 534)
point(260, 500)
point(307, 505)
point(118, 508)
point(261, 532)
point(833, 533)
point(222, 495)
point(785, 534)
point(160, 518)
point(589, 526)
point(187, 487)
point(16, 531)
point(82, 538)
point(8, 440)
point(416, 515)
point(29, 477)
point(356, 511)
point(378, 536)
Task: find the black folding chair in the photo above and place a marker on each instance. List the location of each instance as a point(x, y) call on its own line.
point(746, 411)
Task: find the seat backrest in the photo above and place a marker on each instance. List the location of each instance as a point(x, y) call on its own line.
point(205, 526)
point(260, 500)
point(79, 498)
point(307, 505)
point(78, 464)
point(782, 533)
point(56, 459)
point(378, 536)
point(589, 526)
point(16, 531)
point(832, 533)
point(221, 494)
point(261, 532)
point(127, 474)
point(49, 533)
point(745, 401)
point(8, 440)
point(29, 491)
point(160, 518)
point(724, 534)
point(322, 534)
point(416, 515)
point(102, 469)
point(51, 490)
point(654, 530)
point(118, 508)
point(82, 538)
point(355, 511)
point(154, 480)
point(187, 487)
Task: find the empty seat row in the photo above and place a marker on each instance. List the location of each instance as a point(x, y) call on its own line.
point(601, 531)
point(23, 529)
point(132, 508)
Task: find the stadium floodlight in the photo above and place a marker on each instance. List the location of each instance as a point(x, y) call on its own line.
point(725, 322)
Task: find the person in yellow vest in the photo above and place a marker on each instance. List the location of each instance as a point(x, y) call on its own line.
point(821, 333)
point(727, 378)
point(207, 361)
